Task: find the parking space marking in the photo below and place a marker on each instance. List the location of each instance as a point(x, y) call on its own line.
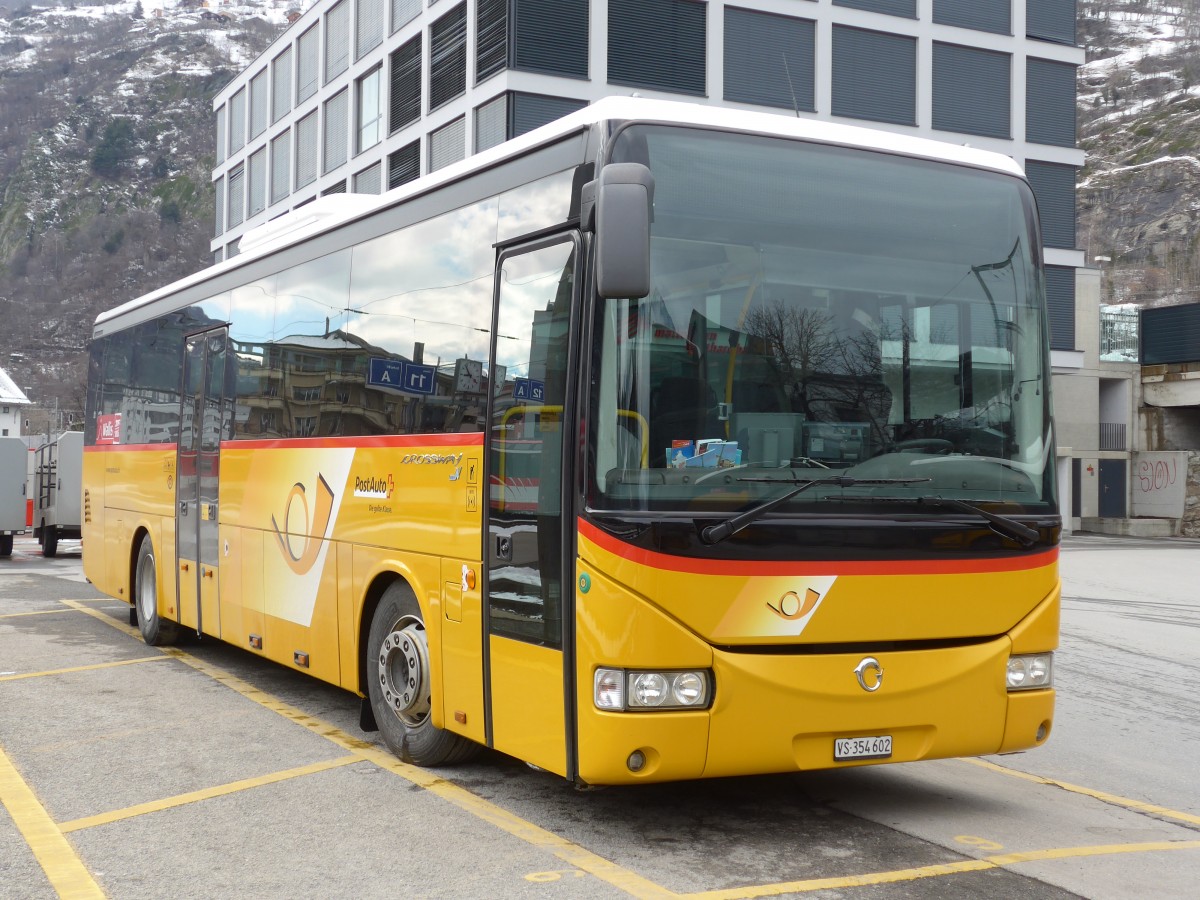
point(107, 665)
point(34, 612)
point(970, 865)
point(1113, 799)
point(609, 872)
point(222, 790)
point(573, 854)
point(54, 853)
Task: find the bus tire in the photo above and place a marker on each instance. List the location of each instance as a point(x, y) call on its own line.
point(49, 540)
point(156, 631)
point(398, 684)
point(6, 541)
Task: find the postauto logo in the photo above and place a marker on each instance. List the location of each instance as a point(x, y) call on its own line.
point(304, 528)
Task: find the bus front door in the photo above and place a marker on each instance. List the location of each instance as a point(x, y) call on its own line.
point(203, 422)
point(528, 466)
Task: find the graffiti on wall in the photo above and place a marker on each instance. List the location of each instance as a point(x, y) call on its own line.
point(1159, 484)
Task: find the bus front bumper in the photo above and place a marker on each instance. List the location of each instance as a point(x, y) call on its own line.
point(783, 712)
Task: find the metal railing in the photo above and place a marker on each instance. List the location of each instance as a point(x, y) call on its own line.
point(1112, 436)
point(1118, 334)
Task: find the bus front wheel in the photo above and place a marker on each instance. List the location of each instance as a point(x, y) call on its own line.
point(398, 684)
point(156, 631)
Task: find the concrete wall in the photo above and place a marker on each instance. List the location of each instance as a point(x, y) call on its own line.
point(1190, 525)
point(1168, 428)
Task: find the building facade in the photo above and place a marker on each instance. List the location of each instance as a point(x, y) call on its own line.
point(360, 96)
point(14, 406)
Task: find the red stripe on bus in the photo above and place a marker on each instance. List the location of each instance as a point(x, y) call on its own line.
point(742, 567)
point(106, 448)
point(457, 439)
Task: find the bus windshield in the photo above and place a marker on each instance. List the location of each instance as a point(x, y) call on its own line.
point(820, 311)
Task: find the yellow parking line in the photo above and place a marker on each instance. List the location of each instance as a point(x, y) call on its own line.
point(54, 853)
point(609, 872)
point(107, 665)
point(935, 871)
point(106, 619)
point(33, 612)
point(1088, 792)
point(206, 794)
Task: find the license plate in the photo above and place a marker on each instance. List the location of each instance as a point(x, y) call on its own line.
point(876, 747)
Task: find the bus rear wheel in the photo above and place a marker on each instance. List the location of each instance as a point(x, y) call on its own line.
point(156, 631)
point(398, 684)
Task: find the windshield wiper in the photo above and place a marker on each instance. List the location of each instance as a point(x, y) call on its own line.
point(1002, 525)
point(714, 534)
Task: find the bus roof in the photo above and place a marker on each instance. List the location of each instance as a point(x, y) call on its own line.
point(327, 213)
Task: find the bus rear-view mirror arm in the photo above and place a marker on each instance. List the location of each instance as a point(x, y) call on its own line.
point(623, 200)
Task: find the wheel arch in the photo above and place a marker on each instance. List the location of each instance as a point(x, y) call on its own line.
point(376, 588)
point(140, 532)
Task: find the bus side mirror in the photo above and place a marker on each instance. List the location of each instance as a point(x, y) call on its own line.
point(624, 198)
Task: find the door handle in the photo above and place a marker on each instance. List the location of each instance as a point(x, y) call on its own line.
point(504, 549)
point(183, 507)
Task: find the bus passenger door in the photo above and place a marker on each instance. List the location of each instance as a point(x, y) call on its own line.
point(203, 423)
point(528, 462)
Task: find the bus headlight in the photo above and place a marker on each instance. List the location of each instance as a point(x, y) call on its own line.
point(621, 689)
point(1027, 673)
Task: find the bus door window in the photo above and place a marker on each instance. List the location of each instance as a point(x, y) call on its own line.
point(204, 423)
point(529, 390)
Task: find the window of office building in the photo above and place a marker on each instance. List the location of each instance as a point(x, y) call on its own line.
point(1054, 187)
point(491, 123)
point(530, 111)
point(237, 196)
point(403, 12)
point(336, 188)
point(257, 190)
point(1060, 306)
point(368, 180)
point(237, 121)
point(982, 15)
point(874, 76)
point(551, 36)
point(448, 144)
point(404, 104)
point(657, 44)
point(368, 112)
point(368, 26)
point(448, 57)
point(1051, 20)
point(769, 59)
point(308, 51)
point(334, 149)
point(972, 90)
point(220, 122)
point(219, 207)
point(281, 166)
point(258, 104)
point(905, 8)
point(281, 85)
point(404, 165)
point(306, 150)
point(1049, 102)
point(491, 38)
point(337, 40)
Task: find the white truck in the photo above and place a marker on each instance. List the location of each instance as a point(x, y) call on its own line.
point(14, 457)
point(57, 491)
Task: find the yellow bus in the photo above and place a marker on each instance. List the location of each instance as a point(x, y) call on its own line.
point(662, 442)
